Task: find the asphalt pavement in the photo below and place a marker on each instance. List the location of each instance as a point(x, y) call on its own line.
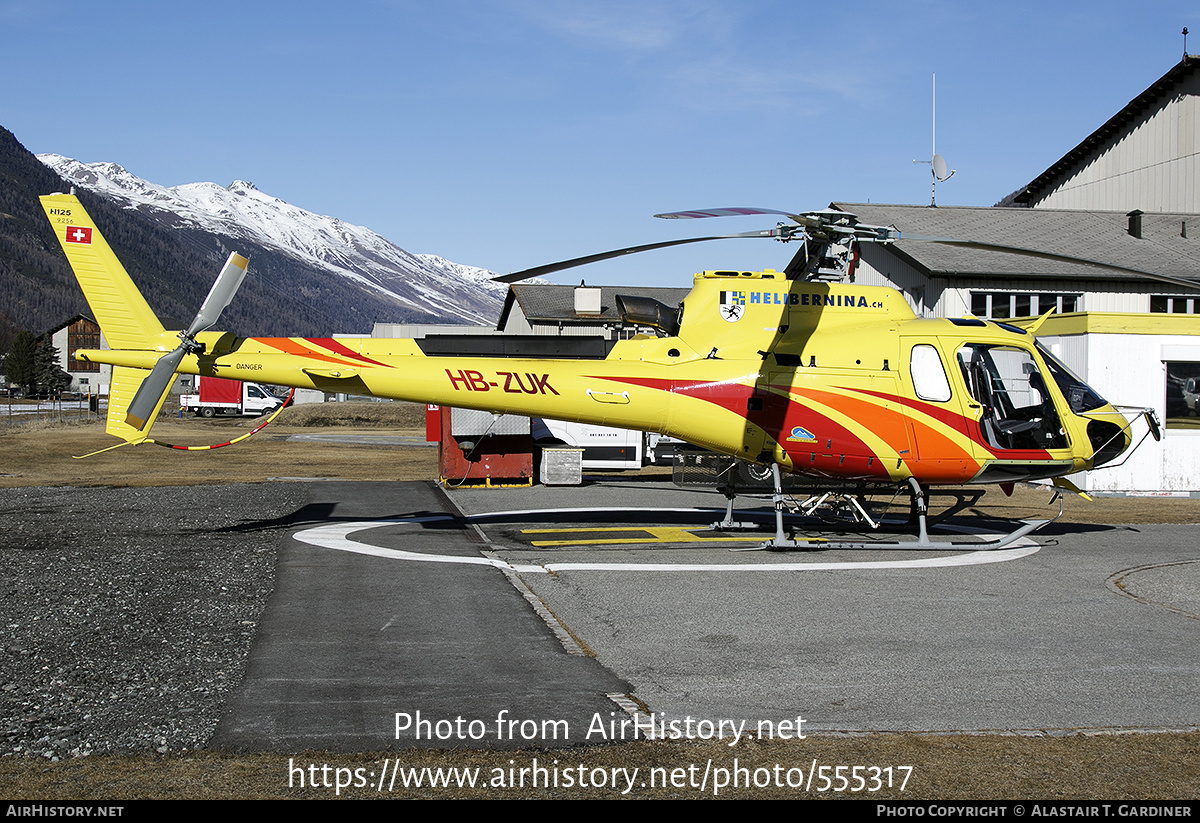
point(361, 653)
point(1096, 629)
point(471, 608)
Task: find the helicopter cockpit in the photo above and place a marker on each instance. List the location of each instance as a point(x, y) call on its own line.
point(1018, 411)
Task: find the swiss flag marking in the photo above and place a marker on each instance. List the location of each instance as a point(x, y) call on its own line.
point(79, 234)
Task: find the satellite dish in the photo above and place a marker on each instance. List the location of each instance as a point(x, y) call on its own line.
point(939, 167)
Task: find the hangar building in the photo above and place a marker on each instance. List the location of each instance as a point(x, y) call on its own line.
point(1127, 196)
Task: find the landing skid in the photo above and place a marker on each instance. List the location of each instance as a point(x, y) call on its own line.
point(776, 544)
point(858, 513)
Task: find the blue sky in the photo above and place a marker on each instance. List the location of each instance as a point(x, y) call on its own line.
point(511, 133)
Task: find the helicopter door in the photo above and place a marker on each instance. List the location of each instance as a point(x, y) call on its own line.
point(942, 445)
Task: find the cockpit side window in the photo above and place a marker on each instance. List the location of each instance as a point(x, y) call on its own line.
point(1018, 410)
point(928, 374)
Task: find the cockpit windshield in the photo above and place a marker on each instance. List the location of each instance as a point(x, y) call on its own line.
point(1080, 396)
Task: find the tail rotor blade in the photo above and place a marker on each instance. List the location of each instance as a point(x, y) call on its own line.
point(150, 394)
point(220, 295)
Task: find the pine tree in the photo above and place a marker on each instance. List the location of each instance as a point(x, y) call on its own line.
point(50, 379)
point(19, 364)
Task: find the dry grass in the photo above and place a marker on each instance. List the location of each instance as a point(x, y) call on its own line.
point(944, 767)
point(392, 415)
point(43, 454)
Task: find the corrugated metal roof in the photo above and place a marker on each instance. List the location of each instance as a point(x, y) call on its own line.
point(1097, 236)
point(1150, 98)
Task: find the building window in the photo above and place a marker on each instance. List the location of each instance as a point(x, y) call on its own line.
point(1174, 304)
point(999, 305)
point(1183, 396)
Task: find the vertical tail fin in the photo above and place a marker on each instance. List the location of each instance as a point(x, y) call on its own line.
point(125, 385)
point(123, 314)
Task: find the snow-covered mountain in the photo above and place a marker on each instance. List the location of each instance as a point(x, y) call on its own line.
point(427, 284)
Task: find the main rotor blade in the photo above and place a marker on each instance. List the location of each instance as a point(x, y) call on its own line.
point(538, 271)
point(732, 211)
point(819, 224)
point(1047, 255)
point(220, 295)
point(821, 218)
point(150, 393)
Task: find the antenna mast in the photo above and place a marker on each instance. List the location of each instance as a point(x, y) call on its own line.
point(937, 164)
point(933, 146)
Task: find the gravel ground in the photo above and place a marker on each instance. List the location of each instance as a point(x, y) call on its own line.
point(128, 613)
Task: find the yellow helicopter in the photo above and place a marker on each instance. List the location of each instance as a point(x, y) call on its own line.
point(782, 369)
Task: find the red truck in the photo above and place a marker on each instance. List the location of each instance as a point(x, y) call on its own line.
point(216, 395)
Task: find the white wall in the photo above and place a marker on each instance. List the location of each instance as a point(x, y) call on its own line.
point(1130, 370)
point(1152, 164)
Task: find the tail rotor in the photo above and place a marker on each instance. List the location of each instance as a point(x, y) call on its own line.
point(153, 390)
